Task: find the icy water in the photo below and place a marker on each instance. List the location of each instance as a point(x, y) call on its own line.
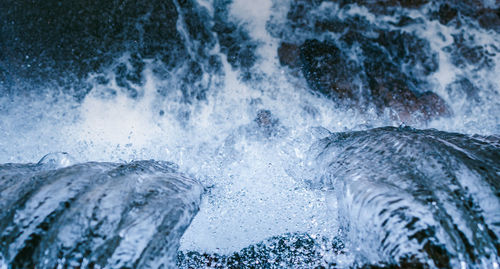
point(275, 107)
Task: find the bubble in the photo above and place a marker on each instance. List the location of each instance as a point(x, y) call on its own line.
point(56, 160)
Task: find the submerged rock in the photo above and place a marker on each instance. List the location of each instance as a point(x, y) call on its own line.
point(289, 54)
point(409, 196)
point(90, 215)
point(351, 52)
point(284, 251)
point(64, 43)
point(446, 13)
point(390, 71)
point(328, 70)
point(360, 64)
point(464, 52)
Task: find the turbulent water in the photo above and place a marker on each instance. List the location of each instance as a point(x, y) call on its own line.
point(94, 214)
point(415, 196)
point(292, 115)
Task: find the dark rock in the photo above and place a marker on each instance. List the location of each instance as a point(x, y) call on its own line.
point(284, 251)
point(464, 86)
point(351, 25)
point(365, 65)
point(265, 126)
point(327, 70)
point(464, 53)
point(299, 10)
point(82, 37)
point(474, 10)
point(405, 21)
point(391, 67)
point(267, 123)
point(408, 50)
point(234, 40)
point(94, 214)
point(410, 3)
point(295, 250)
point(265, 119)
point(387, 6)
point(61, 42)
point(406, 105)
point(395, 95)
point(289, 54)
point(432, 106)
point(490, 19)
point(446, 13)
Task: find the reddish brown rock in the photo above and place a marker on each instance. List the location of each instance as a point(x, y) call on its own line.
point(433, 106)
point(330, 72)
point(369, 66)
point(406, 105)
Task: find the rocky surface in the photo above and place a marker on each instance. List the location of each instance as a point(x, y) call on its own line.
point(91, 215)
point(366, 65)
point(61, 43)
point(387, 65)
point(284, 251)
point(378, 80)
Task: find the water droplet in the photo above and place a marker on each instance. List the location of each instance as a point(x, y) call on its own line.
point(56, 160)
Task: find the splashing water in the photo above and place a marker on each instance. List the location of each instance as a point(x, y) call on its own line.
point(228, 113)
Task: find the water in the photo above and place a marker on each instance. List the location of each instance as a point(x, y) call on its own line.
point(101, 215)
point(418, 196)
point(200, 83)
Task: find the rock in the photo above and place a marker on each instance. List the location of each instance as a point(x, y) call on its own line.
point(88, 215)
point(394, 95)
point(62, 42)
point(268, 124)
point(487, 15)
point(327, 70)
point(412, 3)
point(409, 52)
point(421, 196)
point(446, 13)
point(330, 71)
point(388, 6)
point(432, 106)
point(299, 10)
point(234, 40)
point(283, 251)
point(407, 106)
point(289, 54)
point(365, 65)
point(490, 19)
point(464, 52)
point(265, 119)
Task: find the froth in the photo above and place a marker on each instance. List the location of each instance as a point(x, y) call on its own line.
point(251, 193)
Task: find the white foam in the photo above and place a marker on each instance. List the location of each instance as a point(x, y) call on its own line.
point(252, 192)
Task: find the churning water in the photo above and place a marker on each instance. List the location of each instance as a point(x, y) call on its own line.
point(201, 83)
